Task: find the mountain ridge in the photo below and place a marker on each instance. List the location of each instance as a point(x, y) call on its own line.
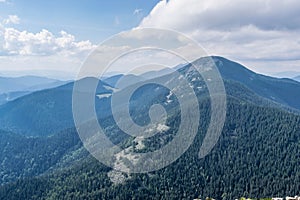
point(40, 112)
point(12, 88)
point(297, 78)
point(281, 90)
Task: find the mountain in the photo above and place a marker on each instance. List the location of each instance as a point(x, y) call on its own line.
point(280, 90)
point(131, 79)
point(113, 79)
point(256, 155)
point(6, 97)
point(31, 156)
point(125, 80)
point(26, 83)
point(43, 112)
point(157, 73)
point(14, 87)
point(48, 111)
point(286, 74)
point(297, 78)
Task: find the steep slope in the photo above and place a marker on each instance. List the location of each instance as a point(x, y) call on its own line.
point(26, 157)
point(283, 91)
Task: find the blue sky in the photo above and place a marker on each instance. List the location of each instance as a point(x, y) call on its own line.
point(54, 37)
point(92, 20)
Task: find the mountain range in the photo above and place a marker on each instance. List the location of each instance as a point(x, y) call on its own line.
point(257, 154)
point(14, 87)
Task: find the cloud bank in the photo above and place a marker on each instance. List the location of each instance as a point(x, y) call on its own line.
point(42, 43)
point(251, 31)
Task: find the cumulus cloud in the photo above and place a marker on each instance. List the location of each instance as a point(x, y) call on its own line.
point(44, 43)
point(225, 15)
point(42, 50)
point(246, 30)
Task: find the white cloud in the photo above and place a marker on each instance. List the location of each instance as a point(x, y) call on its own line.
point(249, 30)
point(226, 14)
point(24, 50)
point(2, 1)
point(43, 43)
point(12, 19)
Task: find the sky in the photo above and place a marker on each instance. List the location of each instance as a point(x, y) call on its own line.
point(53, 38)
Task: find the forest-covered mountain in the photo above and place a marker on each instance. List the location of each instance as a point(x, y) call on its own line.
point(43, 113)
point(281, 90)
point(29, 156)
point(256, 156)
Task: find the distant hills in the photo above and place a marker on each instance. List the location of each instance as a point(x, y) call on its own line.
point(26, 83)
point(297, 78)
point(14, 87)
point(126, 80)
point(130, 79)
